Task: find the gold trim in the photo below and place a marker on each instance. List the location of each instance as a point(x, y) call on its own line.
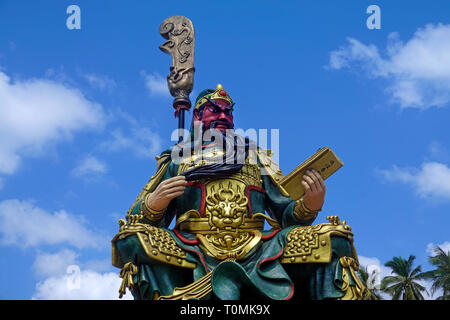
point(229, 245)
point(127, 273)
point(214, 95)
point(202, 225)
point(153, 182)
point(349, 267)
point(272, 222)
point(148, 212)
point(302, 212)
point(195, 290)
point(270, 168)
point(191, 221)
point(224, 244)
point(157, 243)
point(312, 244)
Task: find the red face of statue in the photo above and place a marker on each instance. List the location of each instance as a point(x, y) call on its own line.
point(218, 116)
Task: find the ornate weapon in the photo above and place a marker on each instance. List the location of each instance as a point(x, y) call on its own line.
point(179, 32)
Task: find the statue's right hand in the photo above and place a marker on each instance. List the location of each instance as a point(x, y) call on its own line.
point(171, 188)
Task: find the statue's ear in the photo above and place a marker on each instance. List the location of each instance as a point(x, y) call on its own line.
point(196, 114)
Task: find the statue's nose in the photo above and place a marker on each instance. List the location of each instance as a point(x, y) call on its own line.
point(227, 215)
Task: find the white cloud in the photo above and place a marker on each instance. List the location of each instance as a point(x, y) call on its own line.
point(432, 180)
point(418, 70)
point(89, 167)
point(438, 151)
point(435, 149)
point(25, 225)
point(47, 264)
point(63, 276)
point(156, 84)
point(85, 285)
point(141, 141)
point(444, 246)
point(97, 265)
point(36, 113)
point(99, 81)
point(55, 264)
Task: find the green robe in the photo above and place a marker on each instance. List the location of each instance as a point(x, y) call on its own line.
point(260, 275)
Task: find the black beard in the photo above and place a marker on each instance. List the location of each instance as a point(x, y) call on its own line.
point(225, 122)
point(231, 162)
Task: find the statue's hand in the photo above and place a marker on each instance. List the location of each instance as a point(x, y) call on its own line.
point(165, 192)
point(315, 190)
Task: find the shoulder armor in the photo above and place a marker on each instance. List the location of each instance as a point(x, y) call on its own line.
point(271, 168)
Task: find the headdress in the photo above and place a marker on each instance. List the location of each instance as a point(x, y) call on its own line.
point(211, 94)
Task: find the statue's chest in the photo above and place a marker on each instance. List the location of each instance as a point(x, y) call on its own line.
point(225, 199)
point(225, 225)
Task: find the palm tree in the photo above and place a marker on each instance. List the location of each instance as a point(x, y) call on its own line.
point(369, 281)
point(403, 284)
point(440, 277)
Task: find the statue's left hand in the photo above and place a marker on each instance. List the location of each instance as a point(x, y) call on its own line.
point(315, 190)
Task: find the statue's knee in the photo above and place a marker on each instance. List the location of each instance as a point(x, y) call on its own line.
point(128, 248)
point(341, 247)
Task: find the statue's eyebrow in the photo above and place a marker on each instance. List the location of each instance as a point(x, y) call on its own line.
point(213, 103)
point(217, 106)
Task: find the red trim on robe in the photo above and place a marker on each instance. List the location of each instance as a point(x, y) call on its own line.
point(203, 189)
point(247, 194)
point(267, 237)
point(201, 258)
point(290, 283)
point(191, 242)
point(183, 239)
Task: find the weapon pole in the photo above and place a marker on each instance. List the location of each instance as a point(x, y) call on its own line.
point(179, 32)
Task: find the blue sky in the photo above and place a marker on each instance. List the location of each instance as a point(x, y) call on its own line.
point(84, 112)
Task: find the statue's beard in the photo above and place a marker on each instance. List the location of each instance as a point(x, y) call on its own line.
point(226, 164)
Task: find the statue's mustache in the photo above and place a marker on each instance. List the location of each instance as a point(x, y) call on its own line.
point(224, 122)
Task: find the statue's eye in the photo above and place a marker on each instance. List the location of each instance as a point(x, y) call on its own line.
point(213, 109)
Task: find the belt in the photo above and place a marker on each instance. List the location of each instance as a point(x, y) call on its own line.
point(193, 223)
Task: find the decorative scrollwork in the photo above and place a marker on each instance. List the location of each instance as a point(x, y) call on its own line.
point(226, 207)
point(179, 32)
point(312, 244)
point(157, 243)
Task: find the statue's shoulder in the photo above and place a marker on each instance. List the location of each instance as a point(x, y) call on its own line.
point(162, 164)
point(268, 163)
point(270, 167)
point(164, 157)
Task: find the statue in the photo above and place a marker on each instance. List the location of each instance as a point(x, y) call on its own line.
point(222, 189)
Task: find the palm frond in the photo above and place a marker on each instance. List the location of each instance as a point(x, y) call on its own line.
point(440, 277)
point(402, 284)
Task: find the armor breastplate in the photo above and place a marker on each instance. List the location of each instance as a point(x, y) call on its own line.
point(226, 231)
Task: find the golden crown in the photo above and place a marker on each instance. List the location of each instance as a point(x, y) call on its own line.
point(220, 93)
